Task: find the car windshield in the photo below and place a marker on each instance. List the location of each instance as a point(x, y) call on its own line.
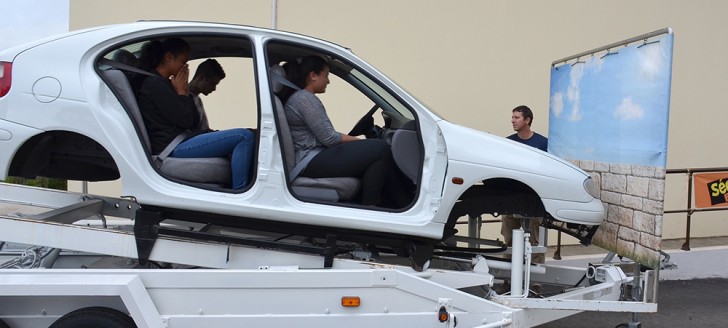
point(387, 101)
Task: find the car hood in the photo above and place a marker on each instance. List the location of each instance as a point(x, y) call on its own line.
point(550, 176)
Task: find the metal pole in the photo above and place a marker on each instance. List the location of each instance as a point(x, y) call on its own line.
point(274, 14)
point(636, 295)
point(626, 42)
point(686, 245)
point(474, 229)
point(519, 244)
point(557, 253)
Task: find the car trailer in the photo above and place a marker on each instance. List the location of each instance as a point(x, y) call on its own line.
point(85, 267)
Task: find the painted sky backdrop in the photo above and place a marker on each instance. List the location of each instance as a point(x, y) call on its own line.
point(613, 108)
point(27, 20)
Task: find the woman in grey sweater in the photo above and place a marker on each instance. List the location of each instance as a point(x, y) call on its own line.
point(329, 153)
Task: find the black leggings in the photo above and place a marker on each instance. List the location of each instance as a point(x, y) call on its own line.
point(368, 159)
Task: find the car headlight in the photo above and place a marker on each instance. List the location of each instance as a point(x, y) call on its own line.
point(591, 187)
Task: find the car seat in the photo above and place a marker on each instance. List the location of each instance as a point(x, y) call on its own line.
point(213, 171)
point(406, 150)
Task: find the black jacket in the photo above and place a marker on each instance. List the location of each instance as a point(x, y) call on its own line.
point(166, 114)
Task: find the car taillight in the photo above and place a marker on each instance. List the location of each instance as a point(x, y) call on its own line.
point(5, 78)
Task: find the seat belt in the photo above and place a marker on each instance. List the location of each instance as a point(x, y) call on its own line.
point(123, 67)
point(282, 80)
point(304, 162)
point(179, 138)
point(171, 146)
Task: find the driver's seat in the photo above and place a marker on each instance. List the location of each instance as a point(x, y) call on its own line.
point(339, 189)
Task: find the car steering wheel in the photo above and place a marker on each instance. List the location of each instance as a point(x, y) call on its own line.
point(365, 125)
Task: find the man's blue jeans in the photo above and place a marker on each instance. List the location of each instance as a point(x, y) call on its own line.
point(239, 143)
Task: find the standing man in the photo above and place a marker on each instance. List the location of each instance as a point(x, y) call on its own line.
point(521, 119)
point(207, 76)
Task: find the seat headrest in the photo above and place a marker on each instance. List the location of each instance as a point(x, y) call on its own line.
point(277, 70)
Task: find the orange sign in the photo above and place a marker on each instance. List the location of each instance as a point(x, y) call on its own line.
point(711, 189)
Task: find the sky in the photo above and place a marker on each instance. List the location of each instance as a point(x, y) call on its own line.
point(27, 20)
point(613, 108)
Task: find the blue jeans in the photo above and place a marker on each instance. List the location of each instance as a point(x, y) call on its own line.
point(239, 143)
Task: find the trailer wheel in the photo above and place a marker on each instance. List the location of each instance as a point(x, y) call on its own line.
point(94, 317)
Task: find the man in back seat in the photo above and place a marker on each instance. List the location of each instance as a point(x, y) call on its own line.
point(207, 76)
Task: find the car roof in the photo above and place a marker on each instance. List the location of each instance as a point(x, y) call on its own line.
point(194, 32)
point(212, 44)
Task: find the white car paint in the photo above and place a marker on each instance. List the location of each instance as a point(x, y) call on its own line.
point(81, 102)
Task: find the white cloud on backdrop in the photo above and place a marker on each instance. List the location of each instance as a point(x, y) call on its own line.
point(573, 93)
point(652, 60)
point(627, 110)
point(557, 104)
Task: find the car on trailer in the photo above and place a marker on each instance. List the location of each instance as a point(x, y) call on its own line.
point(67, 111)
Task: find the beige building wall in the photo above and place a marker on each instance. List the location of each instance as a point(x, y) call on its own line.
point(473, 61)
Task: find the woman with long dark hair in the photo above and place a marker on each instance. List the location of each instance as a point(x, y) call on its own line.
point(168, 111)
point(328, 153)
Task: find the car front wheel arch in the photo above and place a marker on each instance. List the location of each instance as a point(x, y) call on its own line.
point(497, 196)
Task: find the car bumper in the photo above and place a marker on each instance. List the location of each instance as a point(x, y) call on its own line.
point(590, 213)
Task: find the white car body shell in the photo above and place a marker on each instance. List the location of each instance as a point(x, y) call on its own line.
point(55, 87)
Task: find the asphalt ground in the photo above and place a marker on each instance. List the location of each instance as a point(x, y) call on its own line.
point(695, 294)
point(680, 303)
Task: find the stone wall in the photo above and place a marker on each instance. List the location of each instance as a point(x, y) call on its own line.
point(633, 198)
